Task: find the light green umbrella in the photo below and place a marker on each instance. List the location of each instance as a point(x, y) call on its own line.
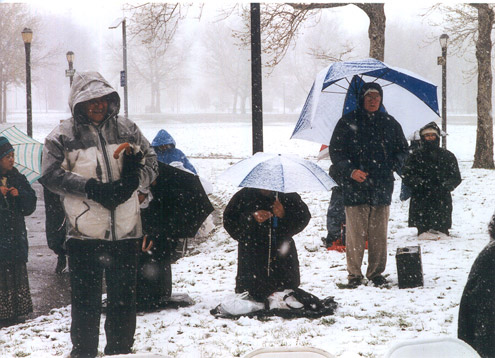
point(27, 151)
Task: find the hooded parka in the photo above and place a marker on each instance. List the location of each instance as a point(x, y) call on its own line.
point(373, 143)
point(78, 150)
point(170, 155)
point(254, 238)
point(432, 173)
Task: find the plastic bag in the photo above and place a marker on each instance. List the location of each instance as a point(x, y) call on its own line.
point(240, 304)
point(284, 300)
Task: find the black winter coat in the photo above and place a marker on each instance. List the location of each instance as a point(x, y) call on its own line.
point(54, 222)
point(476, 324)
point(373, 143)
point(431, 173)
point(13, 234)
point(253, 238)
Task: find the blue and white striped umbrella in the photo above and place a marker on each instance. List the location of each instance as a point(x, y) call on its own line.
point(410, 99)
point(27, 151)
point(278, 172)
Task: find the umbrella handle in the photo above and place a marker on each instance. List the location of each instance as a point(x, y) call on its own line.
point(269, 249)
point(275, 219)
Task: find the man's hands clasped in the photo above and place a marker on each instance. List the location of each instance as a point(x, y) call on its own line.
point(112, 194)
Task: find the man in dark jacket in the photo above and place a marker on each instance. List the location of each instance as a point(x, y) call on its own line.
point(263, 223)
point(431, 173)
point(367, 145)
point(476, 324)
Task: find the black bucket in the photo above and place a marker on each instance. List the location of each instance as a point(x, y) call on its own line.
point(409, 267)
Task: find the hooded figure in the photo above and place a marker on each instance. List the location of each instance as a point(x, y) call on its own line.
point(164, 145)
point(241, 220)
point(476, 324)
point(17, 200)
point(99, 191)
point(77, 151)
point(432, 173)
point(366, 147)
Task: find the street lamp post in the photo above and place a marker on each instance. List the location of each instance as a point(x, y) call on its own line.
point(123, 74)
point(70, 72)
point(443, 61)
point(27, 37)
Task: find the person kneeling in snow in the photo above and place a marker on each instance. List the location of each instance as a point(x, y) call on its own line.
point(476, 311)
point(263, 223)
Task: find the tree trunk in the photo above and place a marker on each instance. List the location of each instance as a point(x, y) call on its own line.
point(158, 102)
point(234, 104)
point(4, 100)
point(243, 104)
point(376, 29)
point(483, 156)
point(2, 119)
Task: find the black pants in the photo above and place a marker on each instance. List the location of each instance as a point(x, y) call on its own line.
point(335, 216)
point(154, 282)
point(88, 261)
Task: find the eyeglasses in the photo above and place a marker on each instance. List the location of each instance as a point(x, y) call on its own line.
point(374, 97)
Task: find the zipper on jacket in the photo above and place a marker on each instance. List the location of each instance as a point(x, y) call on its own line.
point(103, 144)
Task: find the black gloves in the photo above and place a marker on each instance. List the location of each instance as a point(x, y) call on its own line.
point(112, 194)
point(132, 164)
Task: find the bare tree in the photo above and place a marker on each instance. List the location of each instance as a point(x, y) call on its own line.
point(153, 27)
point(483, 156)
point(13, 18)
point(470, 24)
point(227, 64)
point(281, 23)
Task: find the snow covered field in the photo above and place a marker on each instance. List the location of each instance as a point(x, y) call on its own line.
point(368, 319)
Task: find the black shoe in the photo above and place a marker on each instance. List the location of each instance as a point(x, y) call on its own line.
point(379, 281)
point(61, 263)
point(355, 282)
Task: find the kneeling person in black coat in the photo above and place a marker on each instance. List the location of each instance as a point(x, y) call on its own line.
point(263, 223)
point(477, 307)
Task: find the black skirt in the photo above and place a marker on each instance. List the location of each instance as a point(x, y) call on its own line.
point(15, 297)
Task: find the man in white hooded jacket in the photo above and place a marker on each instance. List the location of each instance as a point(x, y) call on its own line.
point(101, 205)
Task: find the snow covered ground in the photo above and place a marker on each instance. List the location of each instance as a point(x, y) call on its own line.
point(368, 319)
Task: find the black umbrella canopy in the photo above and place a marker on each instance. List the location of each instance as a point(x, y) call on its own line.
point(180, 204)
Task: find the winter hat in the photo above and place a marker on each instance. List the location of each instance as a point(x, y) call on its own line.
point(429, 131)
point(430, 128)
point(371, 90)
point(369, 87)
point(5, 147)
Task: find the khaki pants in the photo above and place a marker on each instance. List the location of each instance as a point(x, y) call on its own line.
point(365, 222)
